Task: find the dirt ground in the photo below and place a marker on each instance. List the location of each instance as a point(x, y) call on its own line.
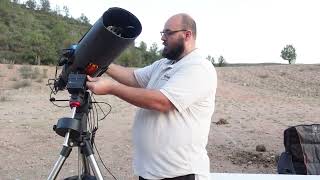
point(254, 105)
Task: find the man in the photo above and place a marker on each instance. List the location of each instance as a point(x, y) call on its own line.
point(176, 97)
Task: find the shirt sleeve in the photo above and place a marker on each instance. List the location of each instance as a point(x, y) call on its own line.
point(189, 84)
point(143, 75)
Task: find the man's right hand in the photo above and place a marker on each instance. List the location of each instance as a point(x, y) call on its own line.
point(100, 86)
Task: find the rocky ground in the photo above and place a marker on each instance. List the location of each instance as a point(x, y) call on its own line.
point(254, 105)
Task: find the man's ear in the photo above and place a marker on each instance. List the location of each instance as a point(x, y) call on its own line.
point(188, 35)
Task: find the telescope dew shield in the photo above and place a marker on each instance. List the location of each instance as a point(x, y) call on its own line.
point(102, 44)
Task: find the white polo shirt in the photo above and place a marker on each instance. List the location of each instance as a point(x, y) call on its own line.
point(174, 143)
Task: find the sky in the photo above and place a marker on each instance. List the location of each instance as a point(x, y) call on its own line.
point(242, 31)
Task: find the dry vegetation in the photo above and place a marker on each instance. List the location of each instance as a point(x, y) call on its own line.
point(254, 104)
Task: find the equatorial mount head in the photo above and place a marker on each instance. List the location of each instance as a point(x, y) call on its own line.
point(80, 104)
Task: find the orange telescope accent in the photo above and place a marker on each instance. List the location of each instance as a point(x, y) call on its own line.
point(91, 69)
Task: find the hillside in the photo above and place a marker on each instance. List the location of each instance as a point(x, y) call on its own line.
point(254, 105)
point(35, 36)
point(294, 80)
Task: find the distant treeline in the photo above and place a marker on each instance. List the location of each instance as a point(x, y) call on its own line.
point(32, 33)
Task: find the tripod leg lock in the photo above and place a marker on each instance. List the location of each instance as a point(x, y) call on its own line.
point(65, 152)
point(87, 149)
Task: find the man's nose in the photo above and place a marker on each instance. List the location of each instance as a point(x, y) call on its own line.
point(163, 37)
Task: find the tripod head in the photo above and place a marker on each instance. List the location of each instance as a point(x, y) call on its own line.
point(80, 104)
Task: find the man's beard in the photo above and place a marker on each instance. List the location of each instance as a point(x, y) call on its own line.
point(175, 52)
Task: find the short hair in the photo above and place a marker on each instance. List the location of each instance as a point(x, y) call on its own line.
point(189, 24)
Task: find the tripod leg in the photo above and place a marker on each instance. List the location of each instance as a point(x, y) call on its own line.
point(89, 155)
point(95, 167)
point(86, 167)
point(65, 152)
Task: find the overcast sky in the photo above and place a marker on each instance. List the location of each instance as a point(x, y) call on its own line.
point(243, 31)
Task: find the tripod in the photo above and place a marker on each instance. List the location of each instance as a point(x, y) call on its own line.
point(75, 133)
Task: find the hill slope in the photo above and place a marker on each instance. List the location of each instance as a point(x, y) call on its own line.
point(35, 36)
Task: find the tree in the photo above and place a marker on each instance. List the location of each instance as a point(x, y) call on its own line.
point(83, 19)
point(32, 4)
point(16, 1)
point(154, 54)
point(57, 10)
point(221, 61)
point(66, 11)
point(5, 2)
point(45, 5)
point(211, 59)
point(143, 46)
point(288, 53)
point(40, 47)
point(131, 57)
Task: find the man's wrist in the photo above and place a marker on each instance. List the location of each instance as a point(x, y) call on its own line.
point(115, 88)
point(109, 68)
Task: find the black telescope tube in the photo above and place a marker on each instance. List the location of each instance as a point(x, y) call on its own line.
point(102, 44)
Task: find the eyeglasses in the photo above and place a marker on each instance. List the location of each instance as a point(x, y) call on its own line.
point(167, 33)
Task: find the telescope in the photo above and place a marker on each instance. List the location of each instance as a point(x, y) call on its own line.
point(100, 46)
point(95, 51)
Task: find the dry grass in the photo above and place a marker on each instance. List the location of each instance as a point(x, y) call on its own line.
point(10, 66)
point(44, 73)
point(21, 84)
point(3, 97)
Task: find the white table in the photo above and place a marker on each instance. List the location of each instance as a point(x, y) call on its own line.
point(236, 176)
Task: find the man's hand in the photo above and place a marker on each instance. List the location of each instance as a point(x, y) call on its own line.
point(144, 98)
point(100, 86)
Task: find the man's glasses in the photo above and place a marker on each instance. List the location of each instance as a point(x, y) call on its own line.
point(167, 33)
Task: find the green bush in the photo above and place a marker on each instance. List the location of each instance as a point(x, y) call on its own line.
point(25, 71)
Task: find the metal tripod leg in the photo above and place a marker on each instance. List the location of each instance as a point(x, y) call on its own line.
point(64, 154)
point(82, 140)
point(87, 149)
point(95, 167)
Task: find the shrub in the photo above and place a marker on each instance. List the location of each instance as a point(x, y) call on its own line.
point(39, 80)
point(44, 73)
point(263, 76)
point(35, 73)
point(13, 79)
point(3, 97)
point(25, 71)
point(10, 66)
point(21, 84)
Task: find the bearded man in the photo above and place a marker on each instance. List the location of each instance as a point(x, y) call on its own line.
point(176, 99)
